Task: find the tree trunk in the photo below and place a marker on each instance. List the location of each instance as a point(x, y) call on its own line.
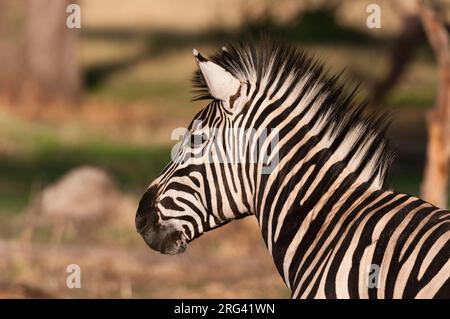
point(435, 182)
point(51, 52)
point(11, 44)
point(39, 53)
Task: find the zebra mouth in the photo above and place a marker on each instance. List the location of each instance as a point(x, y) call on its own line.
point(178, 247)
point(169, 243)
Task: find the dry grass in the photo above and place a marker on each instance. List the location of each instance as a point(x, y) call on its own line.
point(227, 263)
point(128, 123)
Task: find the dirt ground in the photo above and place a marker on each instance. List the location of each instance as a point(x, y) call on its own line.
point(231, 262)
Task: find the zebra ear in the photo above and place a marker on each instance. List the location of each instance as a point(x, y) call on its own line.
point(221, 83)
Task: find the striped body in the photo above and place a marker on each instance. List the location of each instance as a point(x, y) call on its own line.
point(329, 251)
point(333, 229)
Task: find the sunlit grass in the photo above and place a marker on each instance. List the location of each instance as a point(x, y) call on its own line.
point(41, 155)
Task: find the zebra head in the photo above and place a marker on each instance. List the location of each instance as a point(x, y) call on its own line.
point(199, 189)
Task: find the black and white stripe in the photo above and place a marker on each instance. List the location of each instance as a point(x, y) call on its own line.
point(324, 211)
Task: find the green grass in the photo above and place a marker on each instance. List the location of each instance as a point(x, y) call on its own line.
point(145, 90)
point(14, 200)
point(129, 164)
point(43, 153)
point(420, 98)
point(172, 97)
point(133, 167)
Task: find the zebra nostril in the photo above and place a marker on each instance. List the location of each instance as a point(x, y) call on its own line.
point(141, 223)
point(146, 214)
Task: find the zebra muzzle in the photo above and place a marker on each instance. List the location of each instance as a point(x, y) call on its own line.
point(159, 235)
point(169, 242)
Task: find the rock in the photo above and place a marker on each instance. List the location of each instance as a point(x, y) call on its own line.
point(84, 194)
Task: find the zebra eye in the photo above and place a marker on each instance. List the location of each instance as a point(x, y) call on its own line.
point(198, 139)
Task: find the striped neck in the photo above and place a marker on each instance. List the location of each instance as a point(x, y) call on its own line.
point(315, 172)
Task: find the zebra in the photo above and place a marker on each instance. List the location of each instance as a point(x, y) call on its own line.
point(324, 210)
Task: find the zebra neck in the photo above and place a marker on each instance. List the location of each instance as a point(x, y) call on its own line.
point(299, 198)
point(294, 221)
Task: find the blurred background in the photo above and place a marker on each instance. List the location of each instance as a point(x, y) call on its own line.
point(86, 116)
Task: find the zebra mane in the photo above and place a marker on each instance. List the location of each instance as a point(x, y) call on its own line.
point(350, 120)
